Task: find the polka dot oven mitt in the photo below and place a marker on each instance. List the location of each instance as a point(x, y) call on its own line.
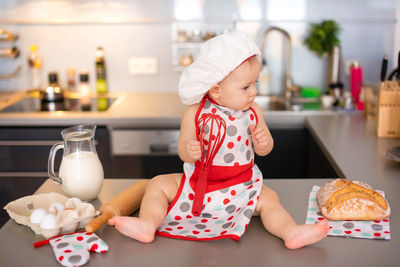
point(73, 249)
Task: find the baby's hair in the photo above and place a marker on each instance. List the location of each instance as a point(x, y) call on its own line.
point(252, 60)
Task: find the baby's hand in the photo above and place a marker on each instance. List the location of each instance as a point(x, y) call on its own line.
point(259, 137)
point(194, 150)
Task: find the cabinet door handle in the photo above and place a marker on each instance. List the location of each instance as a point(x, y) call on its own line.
point(29, 143)
point(23, 174)
point(159, 148)
point(33, 143)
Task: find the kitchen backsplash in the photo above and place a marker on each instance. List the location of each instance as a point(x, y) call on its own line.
point(67, 34)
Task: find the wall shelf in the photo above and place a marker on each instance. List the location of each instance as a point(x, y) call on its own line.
point(11, 75)
point(8, 38)
point(9, 52)
point(13, 53)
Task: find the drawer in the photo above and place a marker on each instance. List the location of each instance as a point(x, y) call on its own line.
point(24, 151)
point(144, 142)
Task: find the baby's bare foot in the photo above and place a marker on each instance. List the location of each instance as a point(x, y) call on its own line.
point(140, 229)
point(307, 234)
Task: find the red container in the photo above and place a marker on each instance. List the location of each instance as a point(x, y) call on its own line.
point(356, 77)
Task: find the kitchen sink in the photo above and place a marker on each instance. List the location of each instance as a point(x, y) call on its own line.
point(271, 102)
point(305, 103)
point(278, 103)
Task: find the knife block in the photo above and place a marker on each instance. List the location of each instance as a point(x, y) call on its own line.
point(389, 110)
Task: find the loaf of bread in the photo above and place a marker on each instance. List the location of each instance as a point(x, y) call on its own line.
point(351, 200)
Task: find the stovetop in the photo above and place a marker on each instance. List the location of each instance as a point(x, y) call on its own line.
point(34, 104)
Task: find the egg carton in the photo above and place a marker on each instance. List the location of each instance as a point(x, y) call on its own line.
point(50, 214)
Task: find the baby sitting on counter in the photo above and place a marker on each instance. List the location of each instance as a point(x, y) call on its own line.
point(221, 188)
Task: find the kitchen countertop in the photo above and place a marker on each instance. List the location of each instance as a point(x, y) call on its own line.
point(132, 109)
point(353, 149)
point(351, 146)
point(256, 247)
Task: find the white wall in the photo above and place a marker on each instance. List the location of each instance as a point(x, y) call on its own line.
point(68, 32)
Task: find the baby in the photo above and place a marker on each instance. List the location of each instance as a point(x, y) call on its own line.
point(221, 187)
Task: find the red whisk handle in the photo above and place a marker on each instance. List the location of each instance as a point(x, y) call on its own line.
point(200, 191)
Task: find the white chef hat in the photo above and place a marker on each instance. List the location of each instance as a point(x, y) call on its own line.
point(218, 57)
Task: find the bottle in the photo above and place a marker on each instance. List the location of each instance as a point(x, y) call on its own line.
point(334, 65)
point(84, 90)
point(101, 81)
point(35, 63)
point(336, 91)
point(71, 82)
point(102, 103)
point(356, 77)
point(346, 102)
point(334, 78)
point(72, 100)
point(264, 81)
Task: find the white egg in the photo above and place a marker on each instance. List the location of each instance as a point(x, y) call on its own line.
point(37, 215)
point(56, 207)
point(48, 221)
point(73, 203)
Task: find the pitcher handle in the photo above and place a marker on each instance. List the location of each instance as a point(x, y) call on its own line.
point(50, 165)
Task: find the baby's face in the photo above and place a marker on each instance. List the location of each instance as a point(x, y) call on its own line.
point(238, 89)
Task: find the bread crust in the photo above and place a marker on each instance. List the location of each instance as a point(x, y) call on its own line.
point(351, 200)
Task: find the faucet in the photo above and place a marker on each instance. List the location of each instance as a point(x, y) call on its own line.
point(289, 88)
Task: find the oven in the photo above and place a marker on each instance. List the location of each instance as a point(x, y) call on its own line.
point(144, 153)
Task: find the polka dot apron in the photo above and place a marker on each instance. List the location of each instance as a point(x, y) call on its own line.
point(233, 181)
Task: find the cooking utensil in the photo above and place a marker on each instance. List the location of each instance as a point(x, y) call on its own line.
point(209, 148)
point(398, 68)
point(53, 92)
point(384, 68)
point(396, 72)
point(124, 204)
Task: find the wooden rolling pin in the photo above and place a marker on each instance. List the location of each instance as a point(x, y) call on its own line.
point(124, 204)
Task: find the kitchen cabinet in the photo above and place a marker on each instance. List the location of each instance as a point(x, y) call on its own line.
point(147, 153)
point(295, 155)
point(318, 165)
point(288, 157)
point(24, 151)
point(146, 166)
point(12, 188)
point(126, 153)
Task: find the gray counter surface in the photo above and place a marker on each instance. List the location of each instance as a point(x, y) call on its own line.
point(130, 109)
point(256, 247)
point(350, 144)
point(352, 147)
point(137, 110)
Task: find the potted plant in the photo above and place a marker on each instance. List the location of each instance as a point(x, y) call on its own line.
point(323, 37)
point(323, 40)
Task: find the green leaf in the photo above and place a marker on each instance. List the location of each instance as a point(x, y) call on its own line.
point(323, 37)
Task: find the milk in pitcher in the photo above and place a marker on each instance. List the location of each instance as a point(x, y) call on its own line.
point(82, 175)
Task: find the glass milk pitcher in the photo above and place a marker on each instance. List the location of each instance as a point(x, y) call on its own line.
point(81, 173)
